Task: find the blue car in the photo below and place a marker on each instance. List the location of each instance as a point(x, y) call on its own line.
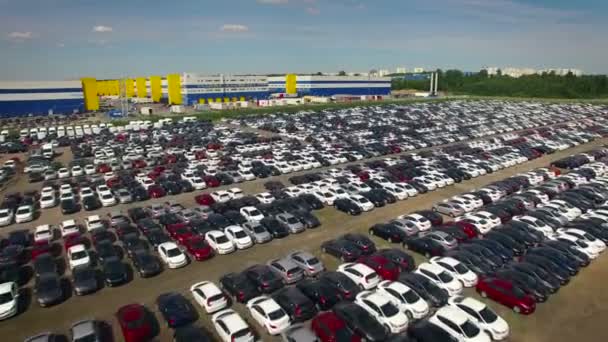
point(176, 309)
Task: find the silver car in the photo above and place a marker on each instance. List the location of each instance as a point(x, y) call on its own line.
point(286, 269)
point(85, 331)
point(446, 240)
point(257, 232)
point(299, 333)
point(123, 195)
point(406, 226)
point(449, 208)
point(291, 223)
point(307, 262)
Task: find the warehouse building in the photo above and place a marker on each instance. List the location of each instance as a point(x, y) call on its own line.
point(40, 98)
point(67, 97)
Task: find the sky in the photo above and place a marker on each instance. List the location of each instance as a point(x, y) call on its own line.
point(69, 39)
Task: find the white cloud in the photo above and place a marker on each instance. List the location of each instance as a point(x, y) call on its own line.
point(20, 36)
point(234, 28)
point(313, 11)
point(102, 29)
point(273, 2)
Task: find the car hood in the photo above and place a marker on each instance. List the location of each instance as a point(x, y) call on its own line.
point(8, 306)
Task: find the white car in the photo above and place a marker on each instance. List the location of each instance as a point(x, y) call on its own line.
point(78, 256)
point(93, 222)
point(325, 197)
point(398, 192)
point(365, 277)
point(221, 196)
point(89, 169)
point(236, 193)
point(265, 197)
point(172, 255)
point(48, 200)
point(269, 314)
point(63, 173)
point(579, 244)
point(251, 214)
point(458, 270)
point(209, 296)
point(107, 198)
point(6, 217)
point(69, 227)
point(337, 192)
point(421, 222)
point(231, 327)
point(383, 310)
point(362, 202)
point(219, 242)
point(459, 325)
point(570, 214)
point(464, 203)
point(67, 195)
point(440, 277)
point(588, 238)
point(197, 183)
point(43, 232)
point(488, 216)
point(9, 300)
point(238, 237)
point(536, 224)
point(406, 299)
point(77, 171)
point(482, 315)
point(85, 192)
point(24, 213)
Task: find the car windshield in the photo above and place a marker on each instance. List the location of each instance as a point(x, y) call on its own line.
point(460, 268)
point(469, 329)
point(221, 239)
point(5, 298)
point(241, 333)
point(254, 213)
point(274, 315)
point(79, 255)
point(4, 214)
point(488, 315)
point(23, 211)
point(312, 261)
point(198, 244)
point(389, 310)
point(445, 277)
point(292, 220)
point(410, 297)
point(173, 252)
point(240, 234)
point(582, 244)
point(363, 200)
point(44, 198)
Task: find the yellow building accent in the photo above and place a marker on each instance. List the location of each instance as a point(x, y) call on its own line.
point(242, 98)
point(155, 88)
point(234, 99)
point(114, 87)
point(226, 99)
point(201, 101)
point(174, 89)
point(218, 99)
point(291, 84)
point(141, 87)
point(89, 91)
point(129, 87)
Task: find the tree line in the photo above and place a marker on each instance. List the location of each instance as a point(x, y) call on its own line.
point(547, 85)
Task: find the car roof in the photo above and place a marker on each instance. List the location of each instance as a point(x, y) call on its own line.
point(168, 245)
point(43, 227)
point(207, 287)
point(6, 287)
point(77, 248)
point(233, 320)
point(268, 304)
point(430, 267)
point(93, 218)
point(452, 314)
point(83, 328)
point(449, 260)
point(473, 303)
point(68, 223)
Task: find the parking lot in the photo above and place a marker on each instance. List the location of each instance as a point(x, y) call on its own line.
point(575, 312)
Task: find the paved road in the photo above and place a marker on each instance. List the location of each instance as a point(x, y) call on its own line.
point(103, 304)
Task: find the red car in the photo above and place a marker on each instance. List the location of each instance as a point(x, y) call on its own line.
point(385, 268)
point(395, 149)
point(200, 155)
point(103, 168)
point(113, 182)
point(139, 164)
point(211, 181)
point(170, 159)
point(135, 323)
point(331, 328)
point(198, 248)
point(159, 169)
point(41, 247)
point(156, 191)
point(73, 240)
point(204, 199)
point(467, 228)
point(179, 232)
point(363, 176)
point(506, 293)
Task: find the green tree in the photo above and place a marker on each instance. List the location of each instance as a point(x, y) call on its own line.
point(342, 73)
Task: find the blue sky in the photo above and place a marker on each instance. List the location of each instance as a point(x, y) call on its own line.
point(66, 39)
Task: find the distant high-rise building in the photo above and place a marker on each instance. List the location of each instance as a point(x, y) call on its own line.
point(383, 72)
point(418, 70)
point(400, 70)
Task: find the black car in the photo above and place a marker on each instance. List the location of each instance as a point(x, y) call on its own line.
point(190, 333)
point(145, 263)
point(404, 261)
point(348, 206)
point(320, 292)
point(157, 237)
point(10, 272)
point(239, 286)
point(376, 199)
point(385, 195)
point(472, 261)
point(184, 185)
point(69, 206)
point(297, 305)
point(105, 249)
point(139, 193)
point(347, 288)
point(234, 217)
point(426, 289)
point(176, 309)
point(582, 258)
point(307, 218)
point(525, 282)
point(90, 203)
point(531, 266)
point(506, 241)
point(364, 243)
point(563, 259)
point(12, 254)
point(435, 218)
point(388, 231)
point(48, 289)
point(274, 227)
point(132, 244)
point(342, 249)
point(361, 322)
point(171, 188)
point(425, 246)
point(45, 264)
point(312, 201)
point(114, 272)
point(522, 236)
point(549, 266)
point(84, 280)
point(263, 278)
point(425, 331)
point(484, 253)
